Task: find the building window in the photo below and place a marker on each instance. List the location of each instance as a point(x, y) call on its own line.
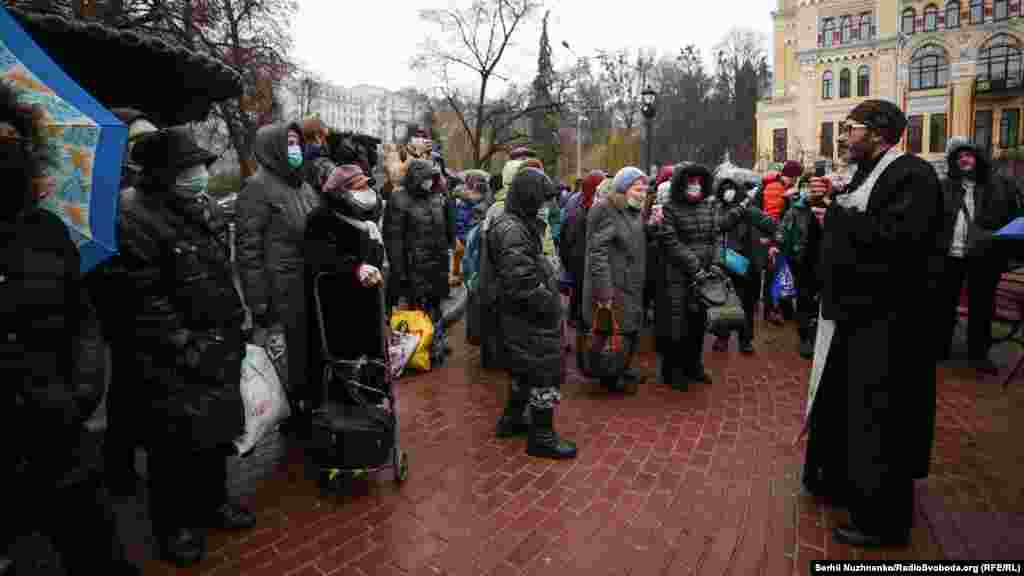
point(937, 133)
point(846, 25)
point(863, 81)
point(983, 129)
point(929, 68)
point(1000, 10)
point(1009, 126)
point(844, 83)
point(977, 11)
point(909, 15)
point(825, 148)
point(828, 30)
point(931, 16)
point(953, 14)
point(865, 26)
point(999, 59)
point(915, 132)
point(779, 140)
point(826, 85)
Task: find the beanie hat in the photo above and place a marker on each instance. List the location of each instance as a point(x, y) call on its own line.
point(534, 163)
point(792, 169)
point(626, 177)
point(664, 175)
point(346, 177)
point(521, 153)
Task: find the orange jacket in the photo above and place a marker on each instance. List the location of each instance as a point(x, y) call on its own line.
point(772, 194)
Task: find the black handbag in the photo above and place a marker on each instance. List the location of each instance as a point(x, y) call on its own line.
point(718, 296)
point(607, 359)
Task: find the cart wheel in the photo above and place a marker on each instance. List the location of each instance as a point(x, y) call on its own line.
point(401, 464)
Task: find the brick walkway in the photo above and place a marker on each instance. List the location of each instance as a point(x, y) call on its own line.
point(667, 483)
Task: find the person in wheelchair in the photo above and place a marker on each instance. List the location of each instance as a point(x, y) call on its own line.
point(345, 254)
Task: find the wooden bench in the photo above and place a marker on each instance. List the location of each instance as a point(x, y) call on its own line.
point(1009, 310)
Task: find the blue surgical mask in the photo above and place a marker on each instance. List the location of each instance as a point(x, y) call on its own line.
point(295, 156)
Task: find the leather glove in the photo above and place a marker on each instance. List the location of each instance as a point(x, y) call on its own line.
point(702, 275)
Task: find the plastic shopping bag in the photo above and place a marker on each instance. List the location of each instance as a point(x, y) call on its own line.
point(262, 396)
point(783, 285)
point(418, 323)
point(401, 348)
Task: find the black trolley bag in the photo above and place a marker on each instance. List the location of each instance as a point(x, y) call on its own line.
point(355, 431)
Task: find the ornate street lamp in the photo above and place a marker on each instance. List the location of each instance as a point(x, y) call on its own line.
point(649, 108)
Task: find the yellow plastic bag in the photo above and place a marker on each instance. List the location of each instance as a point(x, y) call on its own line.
point(416, 322)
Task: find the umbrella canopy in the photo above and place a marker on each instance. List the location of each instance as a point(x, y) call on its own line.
point(1014, 230)
point(86, 143)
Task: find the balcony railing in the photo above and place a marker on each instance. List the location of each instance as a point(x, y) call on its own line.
point(837, 37)
point(1003, 85)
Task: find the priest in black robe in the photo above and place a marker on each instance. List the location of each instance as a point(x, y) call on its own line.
point(872, 417)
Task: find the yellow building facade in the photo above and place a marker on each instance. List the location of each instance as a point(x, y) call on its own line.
point(954, 67)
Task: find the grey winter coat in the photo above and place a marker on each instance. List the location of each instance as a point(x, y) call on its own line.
point(272, 211)
point(615, 265)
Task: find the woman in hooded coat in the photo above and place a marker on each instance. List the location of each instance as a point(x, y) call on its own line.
point(574, 252)
point(689, 234)
point(343, 242)
point(272, 211)
point(529, 317)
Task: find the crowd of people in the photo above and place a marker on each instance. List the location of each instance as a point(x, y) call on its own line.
point(186, 293)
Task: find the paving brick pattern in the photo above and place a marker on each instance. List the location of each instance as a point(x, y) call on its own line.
point(667, 483)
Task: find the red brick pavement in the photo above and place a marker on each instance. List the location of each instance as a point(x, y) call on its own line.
point(667, 483)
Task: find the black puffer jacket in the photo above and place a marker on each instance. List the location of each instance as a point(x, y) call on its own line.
point(173, 281)
point(529, 308)
point(689, 238)
point(416, 232)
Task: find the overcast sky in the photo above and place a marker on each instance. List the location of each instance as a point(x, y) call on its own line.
point(372, 41)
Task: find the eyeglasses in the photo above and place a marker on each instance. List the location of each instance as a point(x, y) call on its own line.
point(845, 127)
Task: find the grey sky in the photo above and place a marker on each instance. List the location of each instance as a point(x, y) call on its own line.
point(352, 42)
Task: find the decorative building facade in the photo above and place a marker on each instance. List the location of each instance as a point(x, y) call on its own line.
point(365, 109)
point(954, 66)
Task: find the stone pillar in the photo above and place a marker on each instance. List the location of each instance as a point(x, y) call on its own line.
point(961, 76)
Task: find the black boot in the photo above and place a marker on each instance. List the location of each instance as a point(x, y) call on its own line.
point(512, 423)
point(183, 547)
point(544, 442)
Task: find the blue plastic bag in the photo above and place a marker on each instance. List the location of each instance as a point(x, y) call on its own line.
point(783, 285)
point(471, 257)
point(735, 262)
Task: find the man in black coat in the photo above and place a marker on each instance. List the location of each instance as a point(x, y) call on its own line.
point(872, 419)
point(977, 202)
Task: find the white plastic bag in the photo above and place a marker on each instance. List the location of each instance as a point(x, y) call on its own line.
point(262, 396)
point(402, 346)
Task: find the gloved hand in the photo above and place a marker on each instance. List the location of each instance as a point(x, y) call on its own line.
point(702, 275)
point(369, 275)
point(772, 253)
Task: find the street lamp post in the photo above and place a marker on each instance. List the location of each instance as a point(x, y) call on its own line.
point(649, 108)
point(579, 146)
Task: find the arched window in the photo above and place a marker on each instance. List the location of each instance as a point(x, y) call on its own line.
point(828, 30)
point(846, 25)
point(931, 17)
point(826, 85)
point(865, 26)
point(929, 68)
point(977, 11)
point(844, 83)
point(1000, 58)
point(953, 14)
point(1000, 10)
point(909, 15)
point(863, 81)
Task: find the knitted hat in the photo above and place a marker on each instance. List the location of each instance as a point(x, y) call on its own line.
point(664, 175)
point(534, 163)
point(792, 169)
point(346, 177)
point(626, 177)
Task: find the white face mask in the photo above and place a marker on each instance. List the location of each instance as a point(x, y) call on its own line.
point(729, 195)
point(694, 191)
point(427, 184)
point(366, 199)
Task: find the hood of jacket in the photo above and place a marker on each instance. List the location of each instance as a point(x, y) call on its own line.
point(418, 171)
point(528, 193)
point(681, 176)
point(475, 186)
point(271, 151)
point(589, 187)
point(508, 174)
point(982, 166)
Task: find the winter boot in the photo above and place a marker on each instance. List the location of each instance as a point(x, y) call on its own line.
point(543, 441)
point(512, 423)
point(806, 348)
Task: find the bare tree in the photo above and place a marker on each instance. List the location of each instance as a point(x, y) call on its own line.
point(474, 40)
point(252, 36)
point(624, 76)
